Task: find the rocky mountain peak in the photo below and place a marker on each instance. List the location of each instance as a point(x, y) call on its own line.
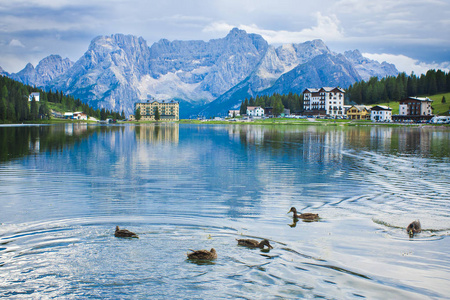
point(368, 68)
point(119, 70)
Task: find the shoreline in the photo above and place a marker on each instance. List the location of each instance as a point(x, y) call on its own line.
point(272, 121)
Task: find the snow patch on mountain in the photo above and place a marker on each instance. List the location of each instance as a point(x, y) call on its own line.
point(119, 70)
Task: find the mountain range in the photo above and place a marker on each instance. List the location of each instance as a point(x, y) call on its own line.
point(207, 78)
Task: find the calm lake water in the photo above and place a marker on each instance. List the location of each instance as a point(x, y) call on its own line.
point(64, 188)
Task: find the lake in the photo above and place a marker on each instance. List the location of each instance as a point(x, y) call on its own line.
point(64, 188)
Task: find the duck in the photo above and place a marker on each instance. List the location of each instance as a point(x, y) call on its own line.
point(202, 254)
point(124, 233)
point(254, 243)
point(304, 216)
point(413, 228)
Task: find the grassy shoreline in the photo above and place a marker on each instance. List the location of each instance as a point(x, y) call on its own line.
point(271, 121)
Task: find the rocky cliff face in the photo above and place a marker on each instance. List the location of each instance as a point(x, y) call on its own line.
point(45, 72)
point(118, 70)
point(369, 68)
point(109, 73)
point(3, 72)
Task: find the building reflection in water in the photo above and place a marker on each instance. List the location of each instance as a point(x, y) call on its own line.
point(158, 133)
point(312, 143)
point(75, 128)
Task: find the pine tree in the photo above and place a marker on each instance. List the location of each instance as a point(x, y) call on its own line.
point(137, 114)
point(157, 115)
point(33, 110)
point(277, 106)
point(43, 110)
point(103, 114)
point(3, 109)
point(243, 108)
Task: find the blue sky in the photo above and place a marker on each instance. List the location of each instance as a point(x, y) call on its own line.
point(414, 35)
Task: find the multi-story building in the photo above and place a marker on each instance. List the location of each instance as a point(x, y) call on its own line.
point(324, 101)
point(414, 109)
point(358, 112)
point(380, 113)
point(169, 110)
point(255, 111)
point(234, 113)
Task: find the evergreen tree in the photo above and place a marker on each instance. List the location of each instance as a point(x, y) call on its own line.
point(4, 92)
point(103, 114)
point(243, 108)
point(3, 109)
point(137, 114)
point(278, 107)
point(432, 84)
point(443, 99)
point(11, 112)
point(33, 110)
point(43, 111)
point(157, 115)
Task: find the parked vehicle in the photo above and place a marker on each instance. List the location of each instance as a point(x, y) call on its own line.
point(440, 120)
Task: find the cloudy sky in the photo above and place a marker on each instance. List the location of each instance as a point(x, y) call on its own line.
point(412, 34)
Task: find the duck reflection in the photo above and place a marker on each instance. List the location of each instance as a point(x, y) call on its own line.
point(294, 223)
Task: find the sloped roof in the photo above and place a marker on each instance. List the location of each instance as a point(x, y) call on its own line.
point(381, 107)
point(330, 89)
point(311, 90)
point(325, 89)
point(426, 99)
point(361, 107)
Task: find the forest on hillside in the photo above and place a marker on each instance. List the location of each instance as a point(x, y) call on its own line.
point(15, 107)
point(397, 88)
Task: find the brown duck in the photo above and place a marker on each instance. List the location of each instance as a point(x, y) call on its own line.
point(254, 243)
point(203, 254)
point(124, 233)
point(413, 228)
point(304, 216)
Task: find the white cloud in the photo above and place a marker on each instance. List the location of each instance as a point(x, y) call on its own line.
point(327, 28)
point(16, 43)
point(407, 64)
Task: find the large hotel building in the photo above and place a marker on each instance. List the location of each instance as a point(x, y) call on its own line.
point(169, 110)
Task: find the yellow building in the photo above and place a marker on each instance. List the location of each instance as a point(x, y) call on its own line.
point(168, 110)
point(359, 112)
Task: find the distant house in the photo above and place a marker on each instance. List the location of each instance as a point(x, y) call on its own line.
point(414, 109)
point(34, 96)
point(380, 113)
point(255, 111)
point(68, 115)
point(268, 111)
point(359, 112)
point(324, 101)
point(234, 113)
point(80, 115)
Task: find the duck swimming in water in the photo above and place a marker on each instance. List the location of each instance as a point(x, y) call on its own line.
point(304, 216)
point(413, 228)
point(203, 254)
point(254, 243)
point(124, 233)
